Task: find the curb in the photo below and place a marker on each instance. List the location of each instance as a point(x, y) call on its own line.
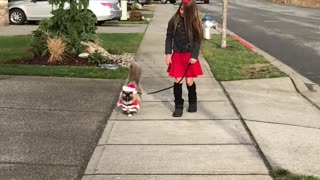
point(243, 42)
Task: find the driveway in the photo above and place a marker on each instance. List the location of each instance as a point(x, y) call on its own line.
point(50, 126)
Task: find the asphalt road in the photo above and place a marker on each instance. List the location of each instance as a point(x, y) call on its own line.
point(290, 34)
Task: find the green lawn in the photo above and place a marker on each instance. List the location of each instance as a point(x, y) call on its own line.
point(63, 71)
point(236, 62)
point(130, 22)
point(14, 47)
point(128, 42)
point(145, 12)
point(17, 47)
point(281, 174)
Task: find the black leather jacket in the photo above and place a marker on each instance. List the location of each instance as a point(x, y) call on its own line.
point(178, 41)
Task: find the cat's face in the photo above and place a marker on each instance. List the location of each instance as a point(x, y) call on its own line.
point(127, 96)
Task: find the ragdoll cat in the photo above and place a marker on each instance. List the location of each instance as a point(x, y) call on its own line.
point(130, 96)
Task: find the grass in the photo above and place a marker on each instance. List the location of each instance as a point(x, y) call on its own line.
point(126, 42)
point(128, 22)
point(236, 62)
point(14, 47)
point(144, 13)
point(281, 174)
point(63, 71)
point(124, 22)
point(18, 47)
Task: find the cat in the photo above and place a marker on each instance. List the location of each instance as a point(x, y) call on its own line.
point(130, 97)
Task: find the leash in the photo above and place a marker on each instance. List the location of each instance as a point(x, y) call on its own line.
point(154, 92)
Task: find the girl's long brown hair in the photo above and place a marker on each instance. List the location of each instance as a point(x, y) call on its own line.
point(191, 19)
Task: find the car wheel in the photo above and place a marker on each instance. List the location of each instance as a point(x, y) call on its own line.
point(163, 1)
point(17, 16)
point(173, 1)
point(99, 23)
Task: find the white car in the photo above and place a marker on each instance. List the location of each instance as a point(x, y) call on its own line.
point(21, 11)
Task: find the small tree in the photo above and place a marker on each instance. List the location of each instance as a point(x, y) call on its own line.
point(73, 25)
point(224, 24)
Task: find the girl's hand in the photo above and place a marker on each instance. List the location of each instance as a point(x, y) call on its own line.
point(192, 60)
point(168, 59)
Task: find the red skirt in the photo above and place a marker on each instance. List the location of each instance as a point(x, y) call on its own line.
point(179, 64)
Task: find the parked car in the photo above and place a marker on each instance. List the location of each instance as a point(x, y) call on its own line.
point(142, 2)
point(36, 10)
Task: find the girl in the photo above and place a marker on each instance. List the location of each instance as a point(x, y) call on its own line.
point(184, 36)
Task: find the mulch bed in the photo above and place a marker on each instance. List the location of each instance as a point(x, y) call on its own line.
point(67, 61)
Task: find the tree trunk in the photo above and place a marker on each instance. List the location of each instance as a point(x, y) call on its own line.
point(4, 13)
point(224, 24)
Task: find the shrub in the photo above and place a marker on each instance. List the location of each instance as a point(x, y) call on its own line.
point(135, 16)
point(38, 43)
point(115, 51)
point(97, 58)
point(74, 25)
point(136, 6)
point(56, 48)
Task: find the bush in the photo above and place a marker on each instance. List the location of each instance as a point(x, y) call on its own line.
point(57, 48)
point(136, 6)
point(97, 58)
point(135, 16)
point(115, 51)
point(38, 43)
point(75, 24)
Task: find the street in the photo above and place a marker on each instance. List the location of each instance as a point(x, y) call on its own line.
point(290, 34)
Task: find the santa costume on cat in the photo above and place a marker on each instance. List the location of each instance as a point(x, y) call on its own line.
point(131, 106)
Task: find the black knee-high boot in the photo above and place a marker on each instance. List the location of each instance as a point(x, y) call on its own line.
point(192, 95)
point(178, 101)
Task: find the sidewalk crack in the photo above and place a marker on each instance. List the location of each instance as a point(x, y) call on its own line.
point(246, 127)
point(279, 123)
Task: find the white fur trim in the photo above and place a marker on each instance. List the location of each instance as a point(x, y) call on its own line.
point(129, 89)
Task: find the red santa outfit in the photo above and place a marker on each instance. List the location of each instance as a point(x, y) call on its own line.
point(180, 61)
point(129, 106)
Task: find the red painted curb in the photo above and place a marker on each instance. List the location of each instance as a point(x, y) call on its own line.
point(247, 45)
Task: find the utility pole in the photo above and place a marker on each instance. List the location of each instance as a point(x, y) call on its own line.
point(4, 12)
point(224, 24)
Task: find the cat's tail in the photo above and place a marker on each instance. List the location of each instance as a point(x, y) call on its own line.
point(135, 74)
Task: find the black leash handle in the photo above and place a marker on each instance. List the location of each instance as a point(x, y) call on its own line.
point(154, 92)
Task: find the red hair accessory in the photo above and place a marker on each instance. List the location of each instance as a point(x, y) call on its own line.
point(186, 1)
